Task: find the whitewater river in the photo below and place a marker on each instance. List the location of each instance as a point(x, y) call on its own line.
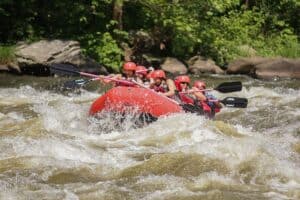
point(50, 149)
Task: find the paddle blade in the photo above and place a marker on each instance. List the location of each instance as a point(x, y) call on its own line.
point(74, 84)
point(235, 102)
point(63, 69)
point(229, 87)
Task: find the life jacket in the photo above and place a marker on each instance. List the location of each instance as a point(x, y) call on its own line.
point(206, 108)
point(212, 105)
point(161, 88)
point(185, 98)
point(177, 85)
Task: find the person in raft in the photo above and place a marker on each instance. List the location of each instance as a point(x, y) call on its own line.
point(128, 74)
point(142, 75)
point(160, 83)
point(182, 84)
point(208, 102)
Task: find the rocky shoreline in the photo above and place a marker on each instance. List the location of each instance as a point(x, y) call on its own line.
point(35, 59)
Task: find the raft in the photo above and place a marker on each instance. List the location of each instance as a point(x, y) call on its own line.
point(140, 100)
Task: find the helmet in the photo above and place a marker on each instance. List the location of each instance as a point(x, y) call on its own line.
point(183, 79)
point(158, 74)
point(130, 66)
point(141, 70)
point(200, 85)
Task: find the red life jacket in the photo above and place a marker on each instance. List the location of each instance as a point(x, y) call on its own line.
point(161, 88)
point(185, 98)
point(177, 85)
point(206, 108)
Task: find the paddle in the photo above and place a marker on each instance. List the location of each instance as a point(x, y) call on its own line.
point(226, 87)
point(73, 84)
point(229, 87)
point(67, 69)
point(233, 102)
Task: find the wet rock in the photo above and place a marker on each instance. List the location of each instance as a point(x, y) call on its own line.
point(10, 67)
point(174, 66)
point(151, 60)
point(266, 68)
point(199, 65)
point(283, 68)
point(245, 65)
point(34, 58)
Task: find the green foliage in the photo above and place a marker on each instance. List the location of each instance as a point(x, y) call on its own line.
point(104, 49)
point(7, 54)
point(219, 29)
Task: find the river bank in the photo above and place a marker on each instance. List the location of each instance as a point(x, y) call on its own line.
point(35, 58)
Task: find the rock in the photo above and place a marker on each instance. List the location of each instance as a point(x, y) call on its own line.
point(34, 58)
point(174, 66)
point(281, 67)
point(266, 67)
point(245, 65)
point(4, 68)
point(151, 60)
point(198, 65)
point(11, 67)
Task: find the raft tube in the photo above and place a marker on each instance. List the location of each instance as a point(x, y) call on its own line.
point(144, 101)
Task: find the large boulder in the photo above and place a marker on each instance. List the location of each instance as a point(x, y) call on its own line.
point(245, 65)
point(281, 67)
point(173, 66)
point(266, 67)
point(199, 65)
point(35, 58)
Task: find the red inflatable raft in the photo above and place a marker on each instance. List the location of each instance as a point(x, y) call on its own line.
point(144, 101)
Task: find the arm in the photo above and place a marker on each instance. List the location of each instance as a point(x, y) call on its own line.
point(139, 80)
point(171, 86)
point(218, 104)
point(106, 81)
point(199, 95)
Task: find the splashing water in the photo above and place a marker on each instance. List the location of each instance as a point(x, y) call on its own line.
point(51, 149)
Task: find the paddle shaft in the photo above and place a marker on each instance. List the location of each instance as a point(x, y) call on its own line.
point(225, 87)
point(91, 75)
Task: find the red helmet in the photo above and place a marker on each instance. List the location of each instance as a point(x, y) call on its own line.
point(141, 70)
point(130, 66)
point(158, 74)
point(183, 79)
point(200, 85)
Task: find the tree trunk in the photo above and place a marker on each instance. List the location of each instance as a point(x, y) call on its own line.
point(118, 13)
point(247, 4)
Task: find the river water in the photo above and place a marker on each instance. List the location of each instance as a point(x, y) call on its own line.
point(50, 149)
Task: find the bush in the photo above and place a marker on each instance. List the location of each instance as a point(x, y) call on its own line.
point(7, 54)
point(104, 49)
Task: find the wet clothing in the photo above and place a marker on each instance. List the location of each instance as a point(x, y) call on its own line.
point(161, 88)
